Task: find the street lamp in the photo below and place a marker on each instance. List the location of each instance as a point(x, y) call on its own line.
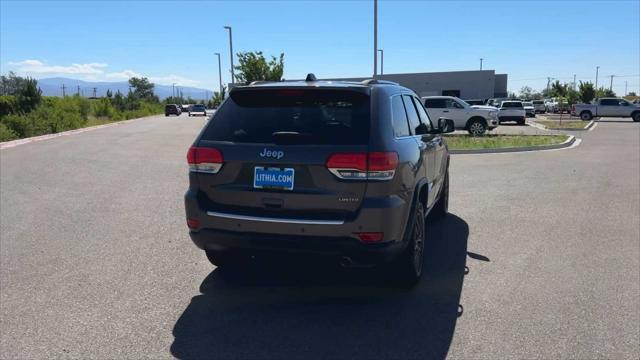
point(231, 53)
point(375, 38)
point(381, 61)
point(219, 72)
point(481, 63)
point(597, 68)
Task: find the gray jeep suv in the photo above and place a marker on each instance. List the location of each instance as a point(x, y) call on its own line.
point(343, 169)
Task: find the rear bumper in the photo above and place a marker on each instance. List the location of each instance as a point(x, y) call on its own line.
point(512, 118)
point(253, 234)
point(331, 247)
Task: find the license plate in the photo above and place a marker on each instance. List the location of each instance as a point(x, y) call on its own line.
point(273, 178)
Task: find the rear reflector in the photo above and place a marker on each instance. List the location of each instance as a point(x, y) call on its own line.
point(363, 166)
point(204, 160)
point(193, 223)
point(370, 236)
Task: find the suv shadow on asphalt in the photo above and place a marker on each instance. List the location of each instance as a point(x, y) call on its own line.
point(320, 311)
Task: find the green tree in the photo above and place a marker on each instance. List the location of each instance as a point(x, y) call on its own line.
point(602, 92)
point(28, 96)
point(118, 101)
point(632, 93)
point(586, 91)
point(11, 83)
point(558, 90)
point(142, 89)
point(526, 92)
point(572, 96)
point(218, 98)
point(109, 94)
point(254, 67)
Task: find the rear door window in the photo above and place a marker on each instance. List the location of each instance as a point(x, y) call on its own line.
point(435, 103)
point(292, 116)
point(424, 118)
point(400, 123)
point(412, 114)
point(609, 102)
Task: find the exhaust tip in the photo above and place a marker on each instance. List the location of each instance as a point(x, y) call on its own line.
point(346, 262)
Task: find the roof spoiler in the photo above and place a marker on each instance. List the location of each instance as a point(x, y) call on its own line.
point(378, 82)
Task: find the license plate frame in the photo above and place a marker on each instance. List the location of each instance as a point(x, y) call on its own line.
point(270, 178)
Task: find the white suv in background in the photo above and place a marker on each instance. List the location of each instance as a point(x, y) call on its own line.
point(512, 111)
point(476, 120)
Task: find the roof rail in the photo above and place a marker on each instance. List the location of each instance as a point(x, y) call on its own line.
point(378, 82)
point(311, 77)
point(258, 82)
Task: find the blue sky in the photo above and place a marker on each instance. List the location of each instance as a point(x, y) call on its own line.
point(175, 41)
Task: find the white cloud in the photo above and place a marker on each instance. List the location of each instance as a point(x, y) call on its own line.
point(170, 79)
point(92, 72)
point(123, 75)
point(38, 67)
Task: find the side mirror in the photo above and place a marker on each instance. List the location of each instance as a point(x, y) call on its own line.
point(422, 129)
point(445, 125)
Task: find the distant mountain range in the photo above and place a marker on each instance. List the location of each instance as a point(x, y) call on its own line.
point(53, 87)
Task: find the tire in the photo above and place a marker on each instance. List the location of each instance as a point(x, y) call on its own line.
point(477, 127)
point(408, 266)
point(441, 208)
point(636, 116)
point(585, 116)
point(521, 122)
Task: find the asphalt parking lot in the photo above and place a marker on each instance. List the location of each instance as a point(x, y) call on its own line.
point(538, 259)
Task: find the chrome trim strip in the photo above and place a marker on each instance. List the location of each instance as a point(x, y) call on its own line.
point(274, 220)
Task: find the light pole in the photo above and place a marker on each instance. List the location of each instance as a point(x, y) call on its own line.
point(375, 38)
point(481, 63)
point(597, 68)
point(611, 84)
point(381, 61)
point(231, 52)
point(219, 73)
point(625, 88)
point(574, 82)
point(173, 90)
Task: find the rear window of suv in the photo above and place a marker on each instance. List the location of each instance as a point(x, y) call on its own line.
point(298, 116)
point(511, 104)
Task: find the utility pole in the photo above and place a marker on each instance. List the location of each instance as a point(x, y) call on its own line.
point(63, 90)
point(78, 90)
point(231, 53)
point(219, 73)
point(597, 68)
point(375, 38)
point(481, 63)
point(381, 61)
point(548, 82)
point(94, 93)
point(611, 83)
point(173, 90)
point(625, 88)
point(574, 82)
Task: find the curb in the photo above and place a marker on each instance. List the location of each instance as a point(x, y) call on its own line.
point(589, 127)
point(567, 143)
point(14, 143)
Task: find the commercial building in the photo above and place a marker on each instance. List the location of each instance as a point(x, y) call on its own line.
point(474, 84)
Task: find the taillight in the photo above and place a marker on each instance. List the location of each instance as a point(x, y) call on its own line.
point(204, 160)
point(193, 223)
point(363, 166)
point(370, 237)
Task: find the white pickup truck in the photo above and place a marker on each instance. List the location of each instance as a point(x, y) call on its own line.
point(607, 107)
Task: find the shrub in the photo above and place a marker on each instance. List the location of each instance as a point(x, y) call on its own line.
point(6, 134)
point(7, 105)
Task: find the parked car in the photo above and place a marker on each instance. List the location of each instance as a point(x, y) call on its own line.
point(495, 102)
point(475, 102)
point(529, 109)
point(184, 107)
point(512, 111)
point(558, 105)
point(607, 107)
point(172, 109)
point(197, 109)
point(475, 119)
point(539, 107)
point(312, 167)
